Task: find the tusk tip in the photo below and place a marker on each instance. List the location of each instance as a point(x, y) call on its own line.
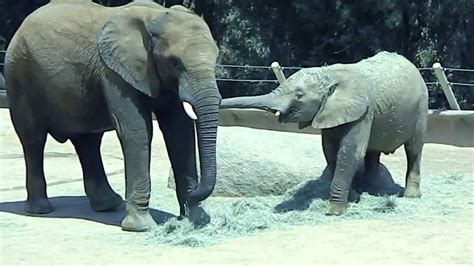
point(188, 108)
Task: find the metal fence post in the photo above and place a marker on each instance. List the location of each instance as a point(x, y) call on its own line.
point(278, 72)
point(443, 81)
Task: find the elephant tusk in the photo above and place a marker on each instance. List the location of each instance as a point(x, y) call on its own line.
point(277, 113)
point(188, 108)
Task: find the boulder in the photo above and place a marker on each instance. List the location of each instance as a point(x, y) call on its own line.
point(255, 162)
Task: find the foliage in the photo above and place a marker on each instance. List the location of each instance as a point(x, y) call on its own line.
point(318, 32)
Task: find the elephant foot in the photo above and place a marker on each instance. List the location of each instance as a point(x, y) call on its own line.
point(196, 215)
point(354, 196)
point(105, 201)
point(412, 191)
point(336, 209)
point(137, 221)
point(38, 206)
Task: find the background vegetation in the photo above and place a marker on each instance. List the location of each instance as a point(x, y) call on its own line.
point(317, 32)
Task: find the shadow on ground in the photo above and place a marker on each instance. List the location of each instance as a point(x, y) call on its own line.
point(77, 207)
point(319, 188)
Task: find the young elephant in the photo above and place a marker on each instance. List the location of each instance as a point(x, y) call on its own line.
point(362, 109)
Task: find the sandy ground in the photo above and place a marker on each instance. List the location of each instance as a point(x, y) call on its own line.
point(73, 234)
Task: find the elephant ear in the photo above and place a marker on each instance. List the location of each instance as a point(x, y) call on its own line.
point(347, 103)
point(125, 46)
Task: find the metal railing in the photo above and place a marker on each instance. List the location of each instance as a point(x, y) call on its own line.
point(438, 71)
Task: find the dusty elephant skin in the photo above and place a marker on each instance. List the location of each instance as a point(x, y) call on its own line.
point(75, 70)
point(362, 109)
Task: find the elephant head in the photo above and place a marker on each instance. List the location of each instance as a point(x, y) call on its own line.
point(157, 49)
point(323, 97)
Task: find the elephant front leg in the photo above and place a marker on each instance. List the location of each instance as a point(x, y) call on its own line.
point(179, 135)
point(330, 144)
point(132, 120)
point(137, 175)
point(354, 138)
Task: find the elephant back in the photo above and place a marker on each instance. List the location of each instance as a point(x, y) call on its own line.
point(398, 97)
point(393, 83)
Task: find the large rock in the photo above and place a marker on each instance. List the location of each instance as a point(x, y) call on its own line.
point(253, 162)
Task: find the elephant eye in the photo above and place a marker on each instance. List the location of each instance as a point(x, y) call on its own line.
point(299, 94)
point(176, 63)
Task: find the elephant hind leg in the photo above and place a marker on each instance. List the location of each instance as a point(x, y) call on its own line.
point(33, 139)
point(413, 151)
point(37, 201)
point(97, 188)
point(377, 178)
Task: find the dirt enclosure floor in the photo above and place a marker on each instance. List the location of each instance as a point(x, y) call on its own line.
point(437, 229)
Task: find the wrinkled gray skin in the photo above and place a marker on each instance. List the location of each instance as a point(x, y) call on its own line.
point(363, 109)
point(76, 70)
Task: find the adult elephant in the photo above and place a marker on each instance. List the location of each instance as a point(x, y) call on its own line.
point(363, 109)
point(75, 70)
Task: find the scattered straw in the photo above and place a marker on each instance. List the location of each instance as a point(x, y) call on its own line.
point(232, 218)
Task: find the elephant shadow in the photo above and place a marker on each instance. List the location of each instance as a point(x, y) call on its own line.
point(320, 188)
point(77, 207)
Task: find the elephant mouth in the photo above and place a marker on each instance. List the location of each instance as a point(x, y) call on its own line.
point(279, 114)
point(282, 117)
point(290, 115)
point(189, 110)
point(280, 109)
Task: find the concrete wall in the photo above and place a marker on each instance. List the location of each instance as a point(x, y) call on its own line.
point(444, 127)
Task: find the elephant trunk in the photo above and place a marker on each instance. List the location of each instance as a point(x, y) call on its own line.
point(263, 102)
point(207, 110)
point(273, 102)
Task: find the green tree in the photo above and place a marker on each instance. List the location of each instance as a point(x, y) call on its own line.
point(318, 32)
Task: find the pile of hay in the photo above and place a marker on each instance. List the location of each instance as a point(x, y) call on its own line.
point(304, 205)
